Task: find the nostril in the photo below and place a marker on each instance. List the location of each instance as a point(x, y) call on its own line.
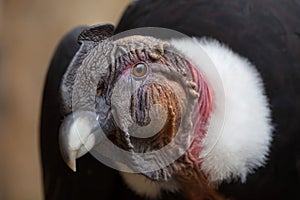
point(99, 89)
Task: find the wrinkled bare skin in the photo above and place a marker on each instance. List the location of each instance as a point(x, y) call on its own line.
point(172, 74)
point(124, 103)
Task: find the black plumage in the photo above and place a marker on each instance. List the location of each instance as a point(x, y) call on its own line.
point(266, 32)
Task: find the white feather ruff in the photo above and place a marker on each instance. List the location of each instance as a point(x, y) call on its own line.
point(243, 143)
point(246, 134)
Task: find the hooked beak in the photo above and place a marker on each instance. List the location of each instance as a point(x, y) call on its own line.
point(79, 133)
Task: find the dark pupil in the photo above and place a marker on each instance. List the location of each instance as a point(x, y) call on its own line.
point(139, 69)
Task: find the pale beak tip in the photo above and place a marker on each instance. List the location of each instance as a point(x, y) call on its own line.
point(72, 165)
point(69, 157)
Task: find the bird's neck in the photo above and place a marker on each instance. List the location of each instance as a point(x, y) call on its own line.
point(201, 114)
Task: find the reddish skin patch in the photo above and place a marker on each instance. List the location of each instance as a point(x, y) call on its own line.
point(127, 68)
point(205, 103)
point(195, 185)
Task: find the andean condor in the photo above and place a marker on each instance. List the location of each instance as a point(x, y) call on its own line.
point(254, 47)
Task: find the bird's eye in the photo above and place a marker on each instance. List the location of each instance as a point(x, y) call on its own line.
point(139, 70)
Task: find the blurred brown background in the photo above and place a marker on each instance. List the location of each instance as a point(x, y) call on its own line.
point(29, 33)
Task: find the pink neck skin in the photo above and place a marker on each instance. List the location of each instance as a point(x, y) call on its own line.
point(205, 105)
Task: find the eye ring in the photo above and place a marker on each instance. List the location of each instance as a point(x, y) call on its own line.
point(139, 70)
